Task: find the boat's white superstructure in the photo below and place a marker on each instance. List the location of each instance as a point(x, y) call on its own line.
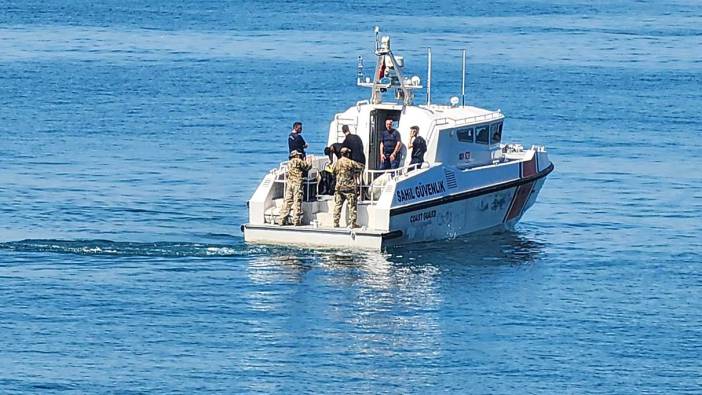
point(470, 181)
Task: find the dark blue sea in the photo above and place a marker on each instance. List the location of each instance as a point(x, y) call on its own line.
point(132, 133)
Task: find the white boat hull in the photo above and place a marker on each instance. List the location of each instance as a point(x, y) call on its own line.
point(446, 217)
point(315, 237)
point(465, 215)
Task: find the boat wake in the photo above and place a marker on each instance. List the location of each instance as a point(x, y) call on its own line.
point(505, 247)
point(114, 248)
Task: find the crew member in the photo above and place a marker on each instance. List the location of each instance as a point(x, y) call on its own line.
point(293, 189)
point(354, 143)
point(418, 146)
point(295, 140)
point(332, 151)
point(390, 145)
point(346, 171)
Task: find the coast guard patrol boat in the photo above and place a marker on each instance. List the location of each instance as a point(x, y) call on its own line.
point(470, 181)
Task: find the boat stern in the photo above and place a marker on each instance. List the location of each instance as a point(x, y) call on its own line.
point(311, 236)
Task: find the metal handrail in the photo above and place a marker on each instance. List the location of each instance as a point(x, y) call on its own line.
point(365, 179)
point(486, 117)
point(446, 120)
point(369, 176)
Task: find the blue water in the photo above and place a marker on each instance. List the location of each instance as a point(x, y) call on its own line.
point(132, 133)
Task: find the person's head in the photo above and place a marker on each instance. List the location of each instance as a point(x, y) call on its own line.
point(297, 127)
point(329, 150)
point(346, 129)
point(346, 152)
point(295, 154)
point(414, 131)
point(388, 124)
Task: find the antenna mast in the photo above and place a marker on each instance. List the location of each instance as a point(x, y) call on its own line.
point(388, 73)
point(463, 82)
point(429, 76)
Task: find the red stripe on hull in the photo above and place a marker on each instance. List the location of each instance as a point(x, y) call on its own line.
point(529, 167)
point(519, 200)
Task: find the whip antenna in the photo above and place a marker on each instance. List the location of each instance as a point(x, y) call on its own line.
point(428, 76)
point(463, 82)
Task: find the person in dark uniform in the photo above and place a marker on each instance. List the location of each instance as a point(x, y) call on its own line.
point(355, 144)
point(332, 151)
point(418, 146)
point(390, 145)
point(295, 140)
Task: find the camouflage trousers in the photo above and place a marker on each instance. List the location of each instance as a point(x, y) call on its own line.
point(293, 198)
point(351, 206)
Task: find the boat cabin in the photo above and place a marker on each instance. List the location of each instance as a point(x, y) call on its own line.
point(462, 136)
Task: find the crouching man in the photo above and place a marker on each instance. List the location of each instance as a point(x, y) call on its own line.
point(346, 171)
point(293, 189)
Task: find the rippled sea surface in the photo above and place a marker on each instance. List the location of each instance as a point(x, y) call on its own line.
point(132, 133)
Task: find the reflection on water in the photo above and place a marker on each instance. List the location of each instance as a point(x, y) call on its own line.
point(502, 248)
point(384, 304)
point(346, 303)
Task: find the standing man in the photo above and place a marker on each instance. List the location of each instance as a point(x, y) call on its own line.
point(295, 140)
point(355, 144)
point(418, 146)
point(390, 145)
point(346, 170)
point(293, 189)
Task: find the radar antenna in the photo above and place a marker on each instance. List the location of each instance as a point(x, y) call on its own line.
point(388, 73)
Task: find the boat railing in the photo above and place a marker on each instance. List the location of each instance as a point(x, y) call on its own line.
point(371, 182)
point(462, 121)
point(309, 182)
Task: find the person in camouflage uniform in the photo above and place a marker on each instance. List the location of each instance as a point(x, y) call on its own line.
point(293, 188)
point(346, 171)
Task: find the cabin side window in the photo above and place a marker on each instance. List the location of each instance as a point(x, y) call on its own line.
point(496, 133)
point(465, 135)
point(482, 134)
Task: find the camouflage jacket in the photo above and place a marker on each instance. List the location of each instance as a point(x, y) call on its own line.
point(346, 170)
point(296, 168)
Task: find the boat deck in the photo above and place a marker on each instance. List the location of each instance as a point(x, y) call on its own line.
point(318, 236)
